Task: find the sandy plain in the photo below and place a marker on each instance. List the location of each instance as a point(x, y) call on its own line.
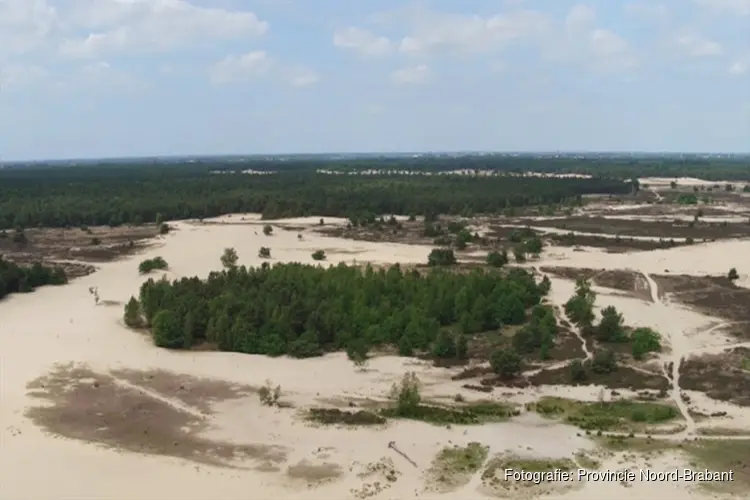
point(91, 409)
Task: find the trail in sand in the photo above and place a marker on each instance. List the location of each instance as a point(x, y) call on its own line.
point(678, 343)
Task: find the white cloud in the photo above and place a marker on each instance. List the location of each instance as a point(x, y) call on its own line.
point(20, 76)
point(153, 25)
point(580, 17)
point(610, 51)
point(411, 76)
point(25, 25)
point(741, 7)
point(305, 79)
point(452, 33)
point(648, 11)
point(240, 68)
point(362, 41)
point(739, 68)
point(698, 46)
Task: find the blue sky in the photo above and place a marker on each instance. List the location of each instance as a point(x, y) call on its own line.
point(103, 78)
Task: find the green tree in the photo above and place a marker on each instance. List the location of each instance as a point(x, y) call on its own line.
point(611, 327)
point(167, 330)
point(229, 258)
point(497, 259)
point(733, 275)
point(644, 340)
point(506, 362)
point(445, 345)
point(132, 316)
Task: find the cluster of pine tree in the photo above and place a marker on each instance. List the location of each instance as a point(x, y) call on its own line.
point(133, 194)
point(305, 311)
point(18, 279)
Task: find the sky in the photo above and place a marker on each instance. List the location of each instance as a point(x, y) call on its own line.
point(113, 78)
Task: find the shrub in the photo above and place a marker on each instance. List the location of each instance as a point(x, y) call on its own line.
point(506, 362)
point(269, 395)
point(604, 362)
point(229, 258)
point(643, 341)
point(407, 395)
point(497, 259)
point(441, 257)
point(577, 371)
point(164, 228)
point(149, 265)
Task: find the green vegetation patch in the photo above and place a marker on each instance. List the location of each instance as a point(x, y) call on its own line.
point(454, 466)
point(18, 279)
point(334, 416)
point(615, 415)
point(469, 414)
point(717, 455)
point(150, 265)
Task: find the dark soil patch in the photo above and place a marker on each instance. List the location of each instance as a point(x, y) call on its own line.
point(725, 376)
point(612, 245)
point(314, 473)
point(92, 407)
point(659, 229)
point(631, 282)
point(192, 391)
point(55, 246)
point(711, 295)
point(624, 377)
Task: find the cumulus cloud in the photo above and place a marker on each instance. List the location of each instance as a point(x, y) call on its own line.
point(648, 11)
point(413, 75)
point(240, 68)
point(305, 79)
point(698, 46)
point(739, 68)
point(155, 25)
point(362, 41)
point(740, 7)
point(435, 32)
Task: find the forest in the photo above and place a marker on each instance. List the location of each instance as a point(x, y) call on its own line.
point(63, 196)
point(305, 311)
point(22, 279)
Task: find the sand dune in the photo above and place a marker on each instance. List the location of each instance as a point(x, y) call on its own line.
point(273, 452)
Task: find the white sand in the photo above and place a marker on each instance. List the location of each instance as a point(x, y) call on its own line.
point(61, 324)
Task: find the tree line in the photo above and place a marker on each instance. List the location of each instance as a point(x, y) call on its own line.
point(304, 310)
point(19, 279)
point(76, 196)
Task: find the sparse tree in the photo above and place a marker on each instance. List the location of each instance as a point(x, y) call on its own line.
point(264, 253)
point(319, 255)
point(229, 258)
point(733, 274)
point(269, 395)
point(267, 230)
point(506, 362)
